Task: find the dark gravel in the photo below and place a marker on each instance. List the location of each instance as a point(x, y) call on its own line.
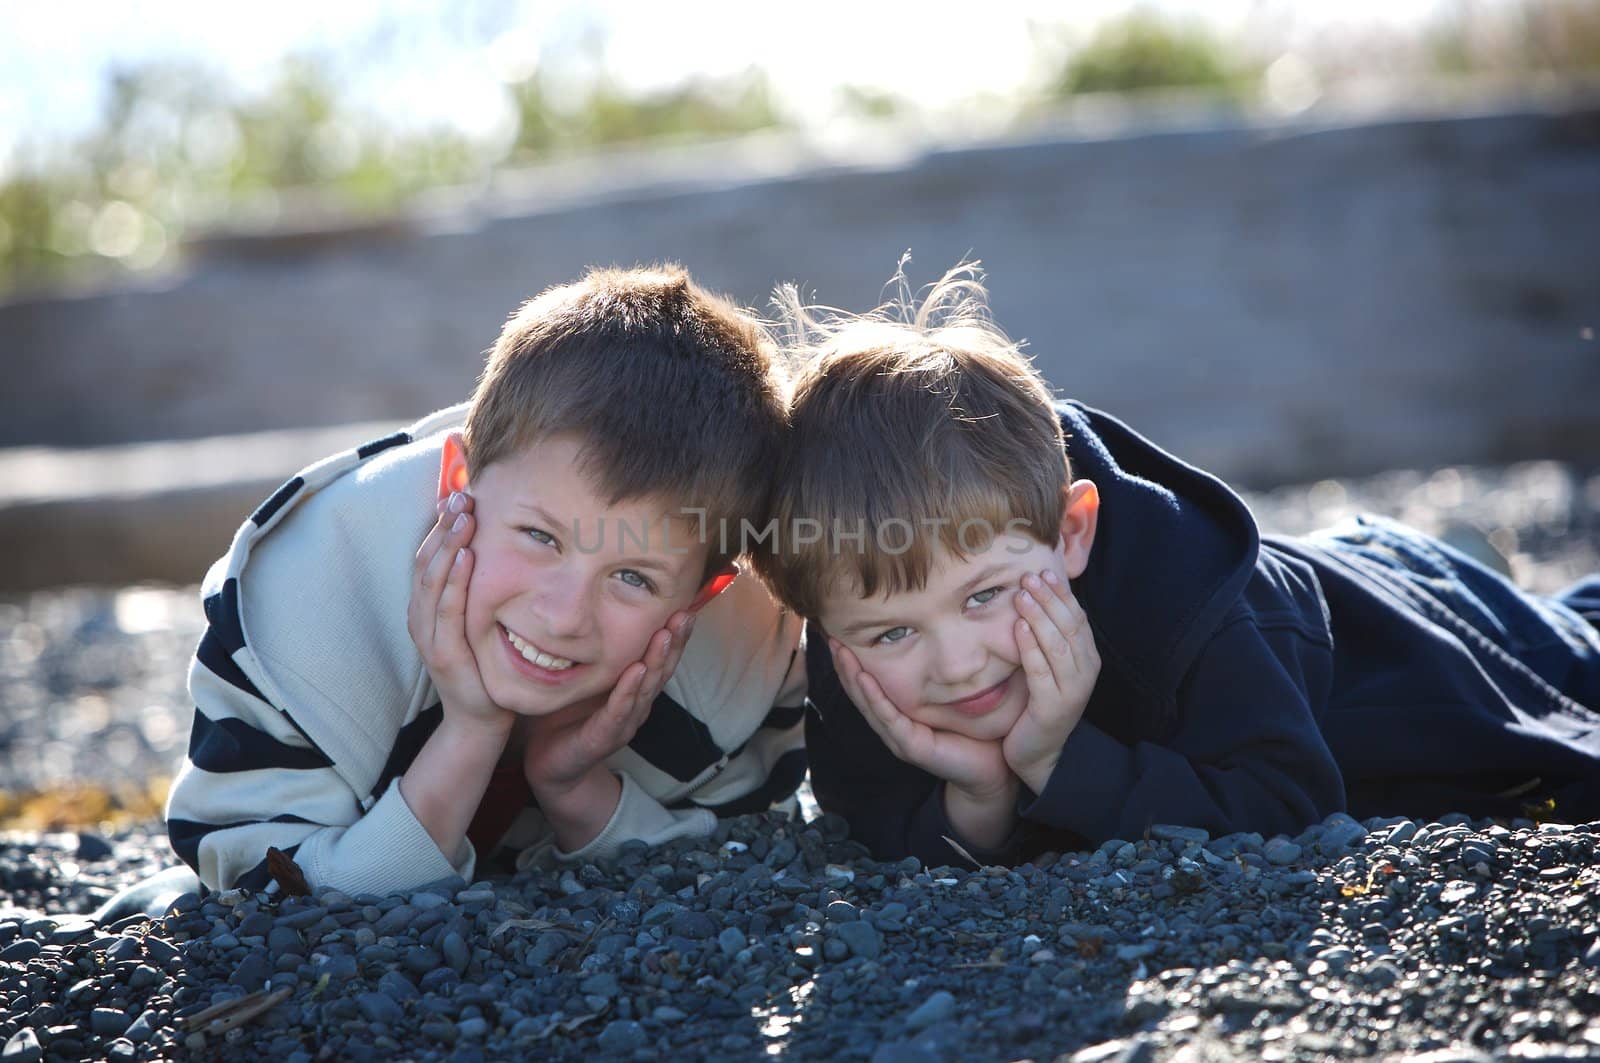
point(1457, 940)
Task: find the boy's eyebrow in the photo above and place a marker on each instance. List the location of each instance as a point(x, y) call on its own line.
point(983, 576)
point(543, 515)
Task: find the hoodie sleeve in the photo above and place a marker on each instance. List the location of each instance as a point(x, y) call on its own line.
point(893, 808)
point(1248, 754)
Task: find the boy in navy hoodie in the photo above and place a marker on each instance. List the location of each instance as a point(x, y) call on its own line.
point(1032, 629)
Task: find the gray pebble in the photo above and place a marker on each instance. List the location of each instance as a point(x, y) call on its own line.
point(1280, 851)
point(379, 1007)
point(623, 1036)
point(937, 1008)
point(22, 1047)
point(862, 938)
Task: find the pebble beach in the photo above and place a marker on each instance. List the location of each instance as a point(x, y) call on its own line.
point(777, 936)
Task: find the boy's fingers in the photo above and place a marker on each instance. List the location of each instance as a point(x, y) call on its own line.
point(1054, 644)
point(1034, 663)
point(1058, 603)
point(452, 606)
point(1074, 622)
point(680, 627)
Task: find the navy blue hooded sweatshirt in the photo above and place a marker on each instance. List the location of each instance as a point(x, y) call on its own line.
point(1252, 684)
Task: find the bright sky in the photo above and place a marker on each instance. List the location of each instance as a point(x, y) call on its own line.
point(436, 61)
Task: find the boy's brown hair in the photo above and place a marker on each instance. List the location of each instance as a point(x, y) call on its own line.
point(908, 425)
point(676, 393)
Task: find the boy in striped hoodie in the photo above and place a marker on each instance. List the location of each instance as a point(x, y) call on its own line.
point(512, 625)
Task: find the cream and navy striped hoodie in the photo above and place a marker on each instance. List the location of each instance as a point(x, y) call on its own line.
point(311, 700)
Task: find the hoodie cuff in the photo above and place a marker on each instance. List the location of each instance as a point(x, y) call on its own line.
point(387, 850)
point(1086, 791)
point(638, 815)
point(931, 826)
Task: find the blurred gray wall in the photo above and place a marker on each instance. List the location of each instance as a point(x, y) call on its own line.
point(1273, 303)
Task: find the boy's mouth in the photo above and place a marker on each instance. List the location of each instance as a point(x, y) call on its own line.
point(983, 702)
point(534, 655)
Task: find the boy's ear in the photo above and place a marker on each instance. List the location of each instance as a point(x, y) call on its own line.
point(714, 585)
point(452, 466)
point(1080, 515)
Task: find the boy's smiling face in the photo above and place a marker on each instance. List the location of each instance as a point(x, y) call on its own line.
point(566, 590)
point(946, 655)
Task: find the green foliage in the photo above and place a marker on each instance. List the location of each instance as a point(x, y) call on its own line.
point(178, 147)
point(1146, 51)
point(606, 115)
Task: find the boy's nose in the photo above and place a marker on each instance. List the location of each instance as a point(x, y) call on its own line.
point(958, 660)
point(566, 609)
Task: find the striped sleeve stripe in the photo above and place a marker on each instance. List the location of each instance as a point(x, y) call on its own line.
point(407, 744)
point(222, 613)
point(782, 780)
point(378, 446)
point(232, 745)
point(187, 834)
point(258, 877)
point(673, 741)
point(265, 511)
point(213, 653)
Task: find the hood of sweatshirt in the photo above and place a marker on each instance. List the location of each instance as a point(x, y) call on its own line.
point(1173, 551)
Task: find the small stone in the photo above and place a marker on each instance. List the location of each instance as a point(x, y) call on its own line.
point(252, 972)
point(937, 1008)
point(92, 847)
point(1169, 832)
point(1401, 833)
point(456, 952)
point(863, 939)
point(108, 1022)
point(696, 926)
point(145, 1025)
point(425, 900)
point(623, 1036)
point(419, 959)
point(1280, 851)
point(22, 1047)
point(730, 941)
point(380, 1008)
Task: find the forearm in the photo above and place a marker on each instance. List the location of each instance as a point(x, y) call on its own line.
point(984, 819)
point(445, 783)
point(577, 814)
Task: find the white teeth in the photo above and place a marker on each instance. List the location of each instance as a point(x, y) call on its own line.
point(530, 652)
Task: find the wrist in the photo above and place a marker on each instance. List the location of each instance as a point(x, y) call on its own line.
point(482, 732)
point(988, 793)
point(1036, 776)
point(984, 819)
point(578, 812)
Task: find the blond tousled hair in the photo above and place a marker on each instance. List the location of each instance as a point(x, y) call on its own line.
point(677, 394)
point(921, 415)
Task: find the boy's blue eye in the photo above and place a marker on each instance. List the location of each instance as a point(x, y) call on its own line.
point(888, 638)
point(984, 596)
point(540, 536)
point(634, 579)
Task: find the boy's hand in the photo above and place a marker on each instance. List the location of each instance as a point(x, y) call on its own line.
point(1061, 664)
point(436, 618)
point(971, 765)
point(980, 790)
point(564, 759)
